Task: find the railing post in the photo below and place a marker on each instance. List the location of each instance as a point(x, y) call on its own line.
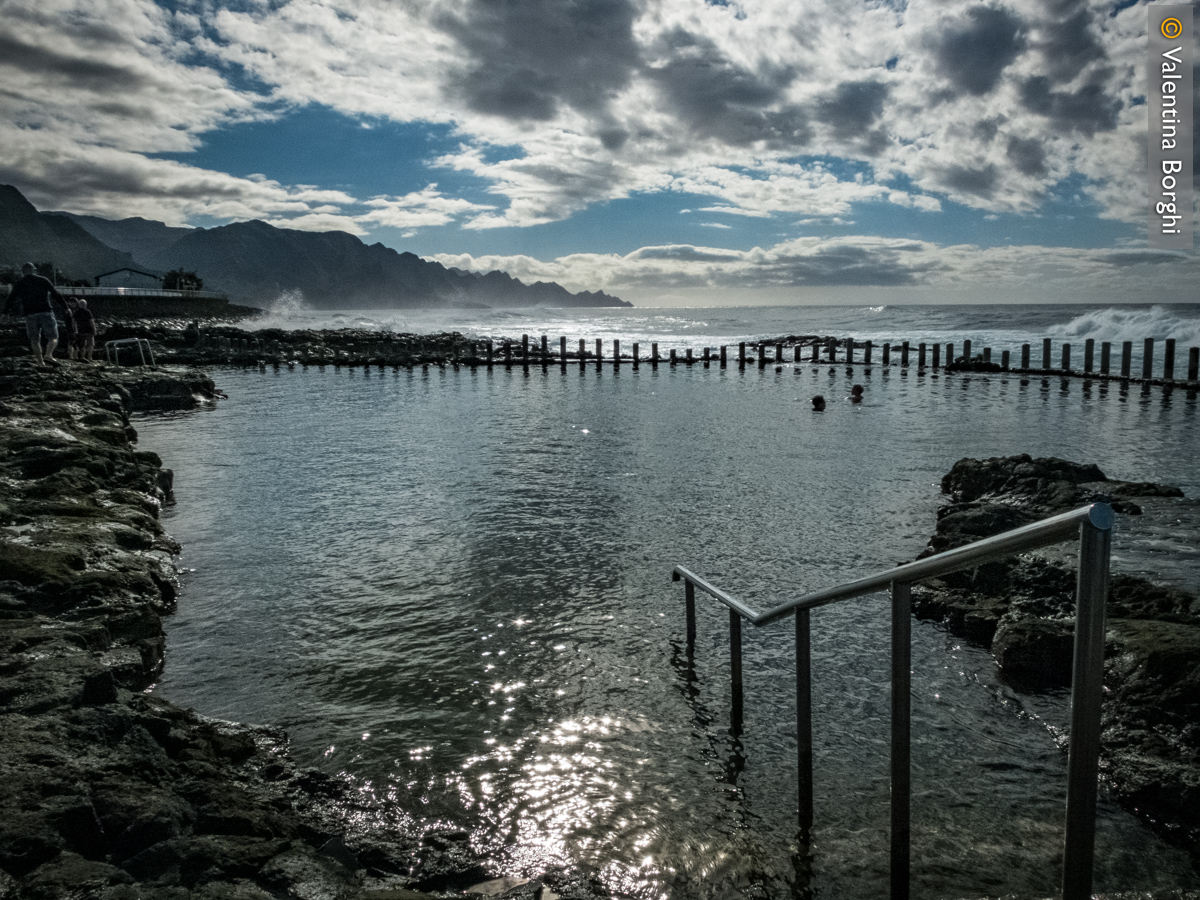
point(689, 598)
point(804, 751)
point(901, 773)
point(1087, 686)
point(735, 671)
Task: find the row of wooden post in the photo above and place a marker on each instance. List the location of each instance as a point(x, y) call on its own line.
point(845, 351)
point(926, 355)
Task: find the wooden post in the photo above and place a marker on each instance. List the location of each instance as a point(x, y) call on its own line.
point(778, 354)
point(762, 356)
point(849, 351)
point(562, 351)
point(904, 354)
point(832, 348)
point(920, 356)
point(742, 355)
point(1148, 358)
point(987, 354)
point(491, 354)
point(1024, 356)
point(1126, 358)
point(635, 355)
point(816, 352)
point(796, 353)
point(949, 355)
point(1169, 360)
point(582, 354)
point(1193, 363)
point(967, 350)
point(1089, 354)
point(887, 353)
point(1046, 355)
point(707, 356)
point(599, 353)
point(508, 354)
point(673, 360)
point(525, 350)
point(867, 348)
point(616, 354)
point(688, 353)
point(654, 356)
point(723, 356)
point(1004, 360)
point(1105, 357)
point(1066, 357)
point(937, 356)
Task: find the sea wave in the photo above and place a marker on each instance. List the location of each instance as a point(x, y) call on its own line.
point(1118, 324)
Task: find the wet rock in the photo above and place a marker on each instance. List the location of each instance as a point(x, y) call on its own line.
point(1035, 653)
point(1023, 609)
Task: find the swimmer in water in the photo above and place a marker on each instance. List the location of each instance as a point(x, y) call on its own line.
point(856, 394)
point(818, 403)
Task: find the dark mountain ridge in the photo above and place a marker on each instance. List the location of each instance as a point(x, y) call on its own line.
point(27, 235)
point(254, 262)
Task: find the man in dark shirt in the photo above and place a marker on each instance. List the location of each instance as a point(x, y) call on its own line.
point(33, 296)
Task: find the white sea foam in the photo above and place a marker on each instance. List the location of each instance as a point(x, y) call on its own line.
point(1131, 323)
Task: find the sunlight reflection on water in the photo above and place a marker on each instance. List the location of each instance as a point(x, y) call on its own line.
point(455, 585)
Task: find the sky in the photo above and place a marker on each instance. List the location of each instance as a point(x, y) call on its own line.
point(670, 152)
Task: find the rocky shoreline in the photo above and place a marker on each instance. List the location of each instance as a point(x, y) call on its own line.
point(1023, 610)
point(108, 791)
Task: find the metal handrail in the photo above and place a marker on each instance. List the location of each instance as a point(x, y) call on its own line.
point(1093, 524)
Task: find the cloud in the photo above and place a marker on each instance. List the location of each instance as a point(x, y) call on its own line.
point(806, 267)
point(776, 107)
point(521, 60)
point(973, 56)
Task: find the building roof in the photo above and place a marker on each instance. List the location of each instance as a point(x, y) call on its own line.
point(131, 269)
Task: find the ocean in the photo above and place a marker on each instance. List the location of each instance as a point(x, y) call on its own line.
point(454, 585)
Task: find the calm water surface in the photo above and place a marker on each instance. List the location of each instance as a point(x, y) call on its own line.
point(455, 585)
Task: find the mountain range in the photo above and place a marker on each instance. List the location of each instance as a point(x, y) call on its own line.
point(254, 262)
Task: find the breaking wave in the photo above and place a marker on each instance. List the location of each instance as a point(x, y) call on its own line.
point(1133, 323)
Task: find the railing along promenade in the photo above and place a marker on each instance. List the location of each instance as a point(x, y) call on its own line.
point(408, 351)
point(1093, 526)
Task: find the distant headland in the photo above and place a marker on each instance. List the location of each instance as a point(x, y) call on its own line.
point(254, 262)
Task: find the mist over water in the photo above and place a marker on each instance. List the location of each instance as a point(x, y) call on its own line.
point(455, 585)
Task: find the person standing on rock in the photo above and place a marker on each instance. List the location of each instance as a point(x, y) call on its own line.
point(33, 297)
point(85, 331)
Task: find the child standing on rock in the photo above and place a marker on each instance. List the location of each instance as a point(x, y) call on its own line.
point(85, 331)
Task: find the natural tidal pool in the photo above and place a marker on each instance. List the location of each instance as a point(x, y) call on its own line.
point(455, 586)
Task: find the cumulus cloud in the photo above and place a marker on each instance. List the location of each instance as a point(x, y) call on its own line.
point(803, 268)
point(771, 108)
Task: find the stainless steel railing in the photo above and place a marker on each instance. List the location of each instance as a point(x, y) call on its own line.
point(1093, 525)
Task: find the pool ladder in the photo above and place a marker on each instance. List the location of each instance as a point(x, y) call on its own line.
point(1093, 526)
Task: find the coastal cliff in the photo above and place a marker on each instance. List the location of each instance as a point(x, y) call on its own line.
point(111, 792)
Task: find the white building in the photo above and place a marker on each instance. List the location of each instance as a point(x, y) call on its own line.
point(129, 278)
